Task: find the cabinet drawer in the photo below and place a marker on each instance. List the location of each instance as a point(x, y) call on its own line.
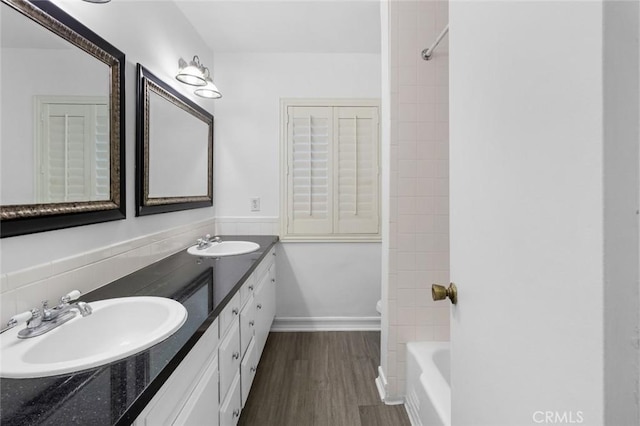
point(263, 267)
point(247, 324)
point(246, 291)
point(229, 357)
point(229, 314)
point(248, 369)
point(231, 407)
point(202, 406)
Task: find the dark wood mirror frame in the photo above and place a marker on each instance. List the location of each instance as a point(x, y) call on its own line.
point(31, 218)
point(147, 83)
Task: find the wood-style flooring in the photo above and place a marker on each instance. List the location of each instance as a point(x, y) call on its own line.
point(320, 379)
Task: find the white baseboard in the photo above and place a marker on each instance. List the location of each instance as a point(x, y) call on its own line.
point(326, 324)
point(382, 385)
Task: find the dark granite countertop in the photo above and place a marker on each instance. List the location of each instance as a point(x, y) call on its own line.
point(116, 393)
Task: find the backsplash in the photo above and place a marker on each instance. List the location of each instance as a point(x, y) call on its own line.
point(27, 288)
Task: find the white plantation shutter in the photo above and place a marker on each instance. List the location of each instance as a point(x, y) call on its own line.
point(73, 151)
point(309, 175)
point(331, 182)
point(356, 170)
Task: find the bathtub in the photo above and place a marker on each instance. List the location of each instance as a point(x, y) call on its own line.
point(428, 400)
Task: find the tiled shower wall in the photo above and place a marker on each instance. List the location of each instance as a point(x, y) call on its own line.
point(419, 182)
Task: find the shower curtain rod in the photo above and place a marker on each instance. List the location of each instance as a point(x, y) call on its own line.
point(426, 53)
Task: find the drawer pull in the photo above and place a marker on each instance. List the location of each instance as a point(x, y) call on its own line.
point(259, 306)
point(273, 280)
point(234, 311)
point(253, 369)
point(236, 355)
point(251, 288)
point(252, 323)
point(236, 412)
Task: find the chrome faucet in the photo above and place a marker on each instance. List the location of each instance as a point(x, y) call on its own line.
point(40, 321)
point(206, 241)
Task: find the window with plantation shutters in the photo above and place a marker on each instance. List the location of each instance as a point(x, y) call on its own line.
point(72, 149)
point(330, 180)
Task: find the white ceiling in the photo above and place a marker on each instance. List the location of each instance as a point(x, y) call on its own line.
point(286, 26)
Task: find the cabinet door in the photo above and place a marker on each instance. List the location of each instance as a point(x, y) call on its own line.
point(229, 357)
point(248, 370)
point(231, 406)
point(247, 324)
point(202, 406)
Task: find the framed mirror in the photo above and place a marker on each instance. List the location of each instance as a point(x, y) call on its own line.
point(62, 134)
point(174, 149)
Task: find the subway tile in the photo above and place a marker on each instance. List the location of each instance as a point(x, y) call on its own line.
point(393, 312)
point(407, 113)
point(406, 187)
point(394, 79)
point(8, 306)
point(407, 76)
point(426, 131)
point(427, 112)
point(407, 95)
point(407, 150)
point(406, 333)
point(425, 205)
point(407, 15)
point(424, 333)
point(407, 205)
point(406, 242)
point(441, 333)
point(425, 149)
point(427, 72)
point(423, 297)
point(425, 187)
point(442, 112)
point(406, 298)
point(407, 168)
point(425, 224)
point(60, 266)
point(402, 372)
point(406, 261)
point(407, 223)
point(4, 283)
point(406, 315)
point(426, 168)
point(31, 296)
point(407, 132)
point(406, 279)
point(28, 276)
point(441, 223)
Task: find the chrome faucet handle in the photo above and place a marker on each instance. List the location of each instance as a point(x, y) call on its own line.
point(20, 318)
point(71, 296)
point(216, 239)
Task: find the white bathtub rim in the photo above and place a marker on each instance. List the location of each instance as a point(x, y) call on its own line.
point(431, 379)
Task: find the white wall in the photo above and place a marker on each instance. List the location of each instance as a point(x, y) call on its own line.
point(621, 150)
point(156, 35)
point(247, 162)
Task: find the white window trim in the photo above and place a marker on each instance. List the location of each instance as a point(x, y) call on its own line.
point(321, 102)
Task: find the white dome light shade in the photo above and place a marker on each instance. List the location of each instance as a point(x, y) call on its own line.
point(191, 73)
point(209, 91)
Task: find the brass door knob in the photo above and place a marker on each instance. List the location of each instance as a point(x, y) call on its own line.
point(439, 292)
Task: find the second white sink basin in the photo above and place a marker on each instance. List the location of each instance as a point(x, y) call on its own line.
point(116, 329)
point(224, 248)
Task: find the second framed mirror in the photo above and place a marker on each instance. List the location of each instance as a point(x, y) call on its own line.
point(174, 148)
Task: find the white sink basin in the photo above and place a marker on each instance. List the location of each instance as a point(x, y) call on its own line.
point(116, 329)
point(224, 248)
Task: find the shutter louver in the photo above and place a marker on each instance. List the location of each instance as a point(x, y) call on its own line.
point(74, 152)
point(309, 180)
point(356, 171)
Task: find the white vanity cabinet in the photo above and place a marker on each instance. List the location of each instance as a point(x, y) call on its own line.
point(192, 390)
point(211, 385)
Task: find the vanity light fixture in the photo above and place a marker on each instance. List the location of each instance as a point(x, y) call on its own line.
point(209, 91)
point(191, 73)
